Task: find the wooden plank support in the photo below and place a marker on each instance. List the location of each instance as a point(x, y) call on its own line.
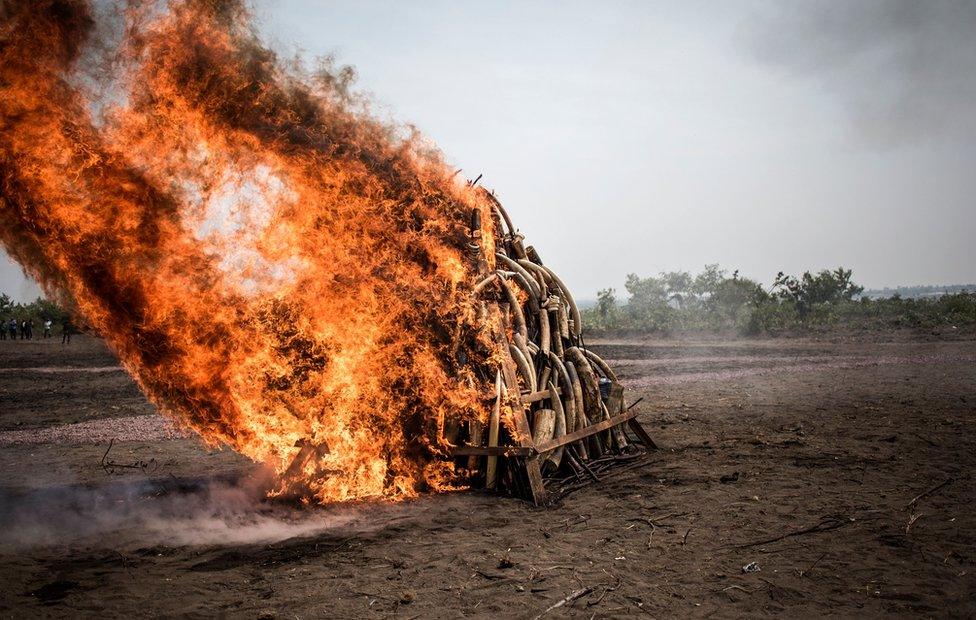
point(592, 429)
point(534, 397)
point(523, 431)
point(309, 450)
point(491, 465)
point(641, 434)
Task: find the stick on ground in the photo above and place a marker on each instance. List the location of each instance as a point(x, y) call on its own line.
point(937, 487)
point(573, 596)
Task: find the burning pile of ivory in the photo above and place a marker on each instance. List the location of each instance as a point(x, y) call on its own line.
point(280, 272)
point(557, 407)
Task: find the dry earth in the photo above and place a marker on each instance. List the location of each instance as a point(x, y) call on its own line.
point(841, 469)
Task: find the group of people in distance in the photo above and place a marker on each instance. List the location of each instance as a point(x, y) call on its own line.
point(25, 329)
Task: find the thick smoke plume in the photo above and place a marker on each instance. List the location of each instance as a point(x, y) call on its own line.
point(904, 70)
point(272, 265)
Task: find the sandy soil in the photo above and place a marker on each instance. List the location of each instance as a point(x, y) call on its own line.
point(803, 458)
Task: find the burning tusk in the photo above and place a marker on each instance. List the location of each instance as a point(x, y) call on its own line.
point(518, 316)
point(523, 346)
point(485, 283)
point(476, 430)
point(500, 211)
point(529, 280)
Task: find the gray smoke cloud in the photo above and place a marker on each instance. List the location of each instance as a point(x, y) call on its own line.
point(138, 512)
point(905, 70)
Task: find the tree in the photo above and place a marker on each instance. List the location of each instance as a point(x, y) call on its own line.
point(730, 295)
point(6, 305)
point(606, 302)
point(647, 308)
point(808, 291)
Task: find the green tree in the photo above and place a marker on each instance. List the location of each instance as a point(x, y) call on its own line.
point(6, 305)
point(730, 295)
point(606, 303)
point(808, 291)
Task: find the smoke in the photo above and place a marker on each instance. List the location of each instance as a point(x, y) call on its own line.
point(173, 512)
point(905, 71)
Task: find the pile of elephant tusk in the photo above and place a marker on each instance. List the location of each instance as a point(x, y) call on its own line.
point(562, 406)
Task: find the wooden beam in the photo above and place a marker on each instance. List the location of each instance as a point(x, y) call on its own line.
point(592, 429)
point(522, 431)
point(491, 466)
point(309, 450)
point(534, 397)
point(641, 434)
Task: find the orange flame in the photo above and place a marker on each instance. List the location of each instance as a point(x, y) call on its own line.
point(269, 262)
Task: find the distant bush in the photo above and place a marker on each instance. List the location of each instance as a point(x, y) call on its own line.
point(713, 300)
point(37, 311)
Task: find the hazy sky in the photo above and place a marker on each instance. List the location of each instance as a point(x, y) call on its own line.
point(764, 136)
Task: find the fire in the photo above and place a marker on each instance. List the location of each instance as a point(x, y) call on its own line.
point(270, 263)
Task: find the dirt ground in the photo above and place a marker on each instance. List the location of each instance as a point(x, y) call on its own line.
point(840, 469)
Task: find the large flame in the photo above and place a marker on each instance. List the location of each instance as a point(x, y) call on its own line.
point(269, 262)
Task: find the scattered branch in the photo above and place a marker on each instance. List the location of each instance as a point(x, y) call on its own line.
point(111, 467)
point(934, 489)
point(825, 525)
point(572, 597)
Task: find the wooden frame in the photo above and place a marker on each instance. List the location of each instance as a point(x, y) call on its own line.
point(532, 453)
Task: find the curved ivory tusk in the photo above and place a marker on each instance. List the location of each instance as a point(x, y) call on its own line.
point(529, 280)
point(518, 248)
point(520, 342)
point(516, 309)
point(619, 437)
point(480, 286)
point(544, 425)
point(569, 394)
point(563, 322)
point(500, 210)
point(557, 339)
point(545, 375)
point(592, 400)
point(581, 419)
point(555, 457)
point(523, 367)
point(574, 310)
point(539, 274)
point(599, 363)
point(534, 302)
